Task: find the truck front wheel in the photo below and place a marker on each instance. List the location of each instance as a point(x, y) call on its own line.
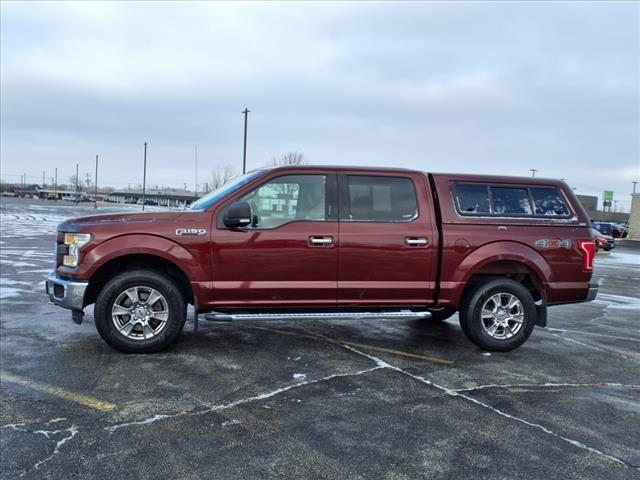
point(140, 311)
point(498, 315)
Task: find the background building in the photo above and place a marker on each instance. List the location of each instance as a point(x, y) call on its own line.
point(634, 217)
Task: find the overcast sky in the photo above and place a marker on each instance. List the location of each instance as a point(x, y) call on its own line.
point(466, 87)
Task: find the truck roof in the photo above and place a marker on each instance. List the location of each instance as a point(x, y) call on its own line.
point(453, 176)
point(349, 168)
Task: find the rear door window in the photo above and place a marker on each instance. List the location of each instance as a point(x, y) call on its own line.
point(510, 201)
point(548, 201)
point(379, 199)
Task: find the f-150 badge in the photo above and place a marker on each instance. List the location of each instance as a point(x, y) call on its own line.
point(194, 232)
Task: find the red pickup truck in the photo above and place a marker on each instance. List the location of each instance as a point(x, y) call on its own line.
point(334, 241)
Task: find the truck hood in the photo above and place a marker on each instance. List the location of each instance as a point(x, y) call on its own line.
point(125, 218)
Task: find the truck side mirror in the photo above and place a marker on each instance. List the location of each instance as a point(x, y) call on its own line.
point(237, 215)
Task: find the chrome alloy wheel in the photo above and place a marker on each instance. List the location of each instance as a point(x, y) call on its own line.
point(140, 313)
point(502, 316)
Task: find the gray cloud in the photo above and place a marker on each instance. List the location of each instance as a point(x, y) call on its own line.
point(476, 87)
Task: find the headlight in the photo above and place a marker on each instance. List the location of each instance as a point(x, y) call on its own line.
point(75, 241)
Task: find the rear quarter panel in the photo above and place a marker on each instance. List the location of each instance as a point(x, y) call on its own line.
point(473, 242)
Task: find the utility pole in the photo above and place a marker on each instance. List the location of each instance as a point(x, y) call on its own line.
point(634, 187)
point(244, 151)
point(55, 186)
point(43, 184)
point(196, 158)
point(144, 176)
point(76, 199)
point(95, 186)
point(533, 171)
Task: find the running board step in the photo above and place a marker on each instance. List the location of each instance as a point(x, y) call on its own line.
point(227, 317)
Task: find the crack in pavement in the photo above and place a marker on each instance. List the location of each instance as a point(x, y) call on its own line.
point(600, 349)
point(584, 332)
point(380, 364)
point(544, 385)
point(235, 403)
point(456, 393)
point(72, 431)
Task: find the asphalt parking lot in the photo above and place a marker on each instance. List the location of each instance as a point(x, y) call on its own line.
point(390, 399)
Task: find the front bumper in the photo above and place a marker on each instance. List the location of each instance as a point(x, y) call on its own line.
point(66, 293)
point(592, 292)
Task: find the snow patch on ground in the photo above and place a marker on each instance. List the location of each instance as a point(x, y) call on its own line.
point(620, 302)
point(8, 292)
point(619, 258)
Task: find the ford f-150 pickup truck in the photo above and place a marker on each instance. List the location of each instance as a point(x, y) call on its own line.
point(335, 241)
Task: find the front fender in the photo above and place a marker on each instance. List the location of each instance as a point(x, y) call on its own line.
point(134, 244)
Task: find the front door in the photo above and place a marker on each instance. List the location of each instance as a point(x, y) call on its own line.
point(288, 255)
point(387, 251)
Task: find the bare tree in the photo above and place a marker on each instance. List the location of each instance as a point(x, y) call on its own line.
point(73, 180)
point(290, 158)
point(88, 182)
point(288, 191)
point(221, 175)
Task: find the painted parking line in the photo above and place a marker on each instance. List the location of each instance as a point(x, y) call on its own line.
point(59, 392)
point(417, 356)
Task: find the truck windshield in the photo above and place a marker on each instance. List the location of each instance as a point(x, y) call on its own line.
point(218, 194)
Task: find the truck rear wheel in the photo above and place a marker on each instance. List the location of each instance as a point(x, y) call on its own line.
point(498, 315)
point(140, 311)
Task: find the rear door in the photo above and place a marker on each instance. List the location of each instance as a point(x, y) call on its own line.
point(288, 256)
point(387, 250)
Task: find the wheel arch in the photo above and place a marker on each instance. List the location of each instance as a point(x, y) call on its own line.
point(138, 261)
point(505, 260)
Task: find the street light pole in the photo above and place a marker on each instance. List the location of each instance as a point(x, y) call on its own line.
point(533, 171)
point(144, 176)
point(244, 151)
point(95, 187)
point(55, 187)
point(76, 199)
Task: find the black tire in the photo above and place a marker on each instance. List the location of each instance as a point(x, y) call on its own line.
point(177, 311)
point(472, 323)
point(440, 315)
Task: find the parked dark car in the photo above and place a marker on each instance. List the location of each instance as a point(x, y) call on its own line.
point(624, 230)
point(604, 242)
point(611, 229)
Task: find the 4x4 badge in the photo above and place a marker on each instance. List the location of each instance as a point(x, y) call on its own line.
point(196, 232)
point(547, 243)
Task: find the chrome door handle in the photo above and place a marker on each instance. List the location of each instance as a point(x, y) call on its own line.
point(416, 242)
point(320, 241)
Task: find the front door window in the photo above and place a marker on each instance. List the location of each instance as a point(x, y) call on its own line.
point(288, 199)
